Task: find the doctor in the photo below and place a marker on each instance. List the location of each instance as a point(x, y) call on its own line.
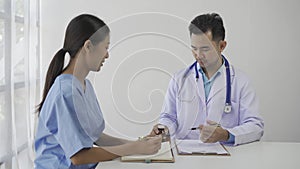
point(210, 99)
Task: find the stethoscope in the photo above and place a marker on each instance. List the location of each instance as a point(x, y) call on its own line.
point(227, 107)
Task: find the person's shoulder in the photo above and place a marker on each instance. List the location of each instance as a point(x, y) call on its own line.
point(68, 84)
point(239, 74)
point(53, 97)
point(61, 90)
point(180, 73)
point(62, 84)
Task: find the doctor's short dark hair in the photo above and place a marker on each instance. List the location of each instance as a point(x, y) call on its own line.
point(208, 22)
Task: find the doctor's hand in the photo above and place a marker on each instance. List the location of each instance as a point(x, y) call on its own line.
point(147, 145)
point(212, 133)
point(158, 129)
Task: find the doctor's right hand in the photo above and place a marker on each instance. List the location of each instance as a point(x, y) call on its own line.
point(213, 132)
point(147, 145)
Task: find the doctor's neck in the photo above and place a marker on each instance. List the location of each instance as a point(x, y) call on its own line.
point(212, 69)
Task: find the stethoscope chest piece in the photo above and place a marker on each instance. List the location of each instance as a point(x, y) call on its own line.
point(227, 108)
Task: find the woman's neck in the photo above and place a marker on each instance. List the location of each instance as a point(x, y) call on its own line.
point(77, 70)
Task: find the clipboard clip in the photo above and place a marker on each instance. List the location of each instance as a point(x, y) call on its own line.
point(147, 161)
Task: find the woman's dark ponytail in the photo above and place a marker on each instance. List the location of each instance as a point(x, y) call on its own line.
point(55, 69)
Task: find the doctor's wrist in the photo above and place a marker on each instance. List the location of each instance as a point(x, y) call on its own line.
point(225, 135)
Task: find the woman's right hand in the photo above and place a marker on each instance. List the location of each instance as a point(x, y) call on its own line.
point(147, 145)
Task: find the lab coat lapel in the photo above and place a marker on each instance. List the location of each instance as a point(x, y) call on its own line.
point(200, 91)
point(219, 84)
point(197, 85)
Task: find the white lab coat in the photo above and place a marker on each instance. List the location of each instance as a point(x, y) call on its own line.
point(185, 106)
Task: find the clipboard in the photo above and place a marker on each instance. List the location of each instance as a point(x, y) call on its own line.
point(164, 155)
point(196, 147)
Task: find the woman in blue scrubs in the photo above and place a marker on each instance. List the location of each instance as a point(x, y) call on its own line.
point(70, 119)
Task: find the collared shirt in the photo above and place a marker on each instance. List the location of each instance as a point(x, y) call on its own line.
point(208, 82)
point(70, 120)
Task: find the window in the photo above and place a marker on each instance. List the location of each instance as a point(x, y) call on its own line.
point(19, 81)
point(1, 50)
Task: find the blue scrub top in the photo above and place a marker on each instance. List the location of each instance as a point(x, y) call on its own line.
point(69, 121)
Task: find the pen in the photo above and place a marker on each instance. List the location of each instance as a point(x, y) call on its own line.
point(196, 128)
point(145, 138)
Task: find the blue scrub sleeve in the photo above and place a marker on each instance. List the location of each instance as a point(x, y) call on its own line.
point(64, 125)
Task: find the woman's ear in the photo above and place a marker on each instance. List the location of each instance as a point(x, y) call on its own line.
point(88, 46)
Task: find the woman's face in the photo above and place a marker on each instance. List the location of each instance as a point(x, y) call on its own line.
point(98, 54)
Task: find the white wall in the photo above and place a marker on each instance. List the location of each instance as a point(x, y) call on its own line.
point(262, 37)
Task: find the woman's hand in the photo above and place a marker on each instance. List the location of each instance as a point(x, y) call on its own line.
point(147, 145)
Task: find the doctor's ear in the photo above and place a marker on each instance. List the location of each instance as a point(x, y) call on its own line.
point(88, 46)
point(222, 45)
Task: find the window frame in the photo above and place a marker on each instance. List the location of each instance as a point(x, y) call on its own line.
point(10, 19)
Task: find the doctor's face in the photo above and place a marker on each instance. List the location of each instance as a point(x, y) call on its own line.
point(206, 51)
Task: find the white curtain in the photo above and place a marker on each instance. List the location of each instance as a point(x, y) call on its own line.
point(19, 81)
